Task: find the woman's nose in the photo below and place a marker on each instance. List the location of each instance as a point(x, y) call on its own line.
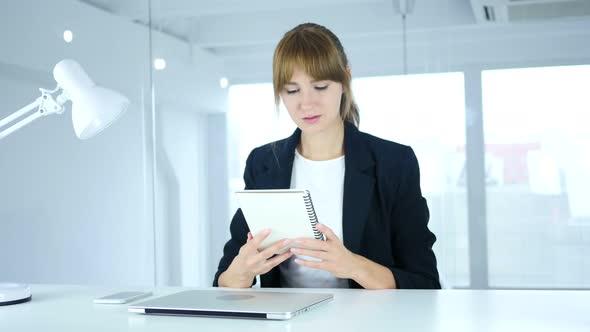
point(306, 101)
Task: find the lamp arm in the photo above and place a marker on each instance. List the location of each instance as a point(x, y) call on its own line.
point(45, 105)
point(23, 111)
point(20, 124)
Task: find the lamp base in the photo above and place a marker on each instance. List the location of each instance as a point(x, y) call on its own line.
point(14, 293)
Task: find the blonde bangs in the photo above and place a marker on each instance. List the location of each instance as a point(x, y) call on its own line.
point(315, 55)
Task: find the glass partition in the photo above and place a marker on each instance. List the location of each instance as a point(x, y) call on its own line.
point(73, 211)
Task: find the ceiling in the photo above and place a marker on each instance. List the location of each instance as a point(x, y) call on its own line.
point(246, 32)
point(235, 27)
point(225, 24)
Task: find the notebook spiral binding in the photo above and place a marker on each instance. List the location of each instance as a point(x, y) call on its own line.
point(313, 218)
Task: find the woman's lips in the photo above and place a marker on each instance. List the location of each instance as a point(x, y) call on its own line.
point(311, 119)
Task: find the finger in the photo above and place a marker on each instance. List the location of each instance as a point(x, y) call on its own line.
point(328, 232)
point(312, 264)
point(278, 259)
point(247, 249)
point(251, 246)
point(260, 236)
point(306, 243)
point(274, 249)
point(310, 253)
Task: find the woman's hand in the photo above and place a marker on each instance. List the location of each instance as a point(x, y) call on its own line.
point(341, 262)
point(333, 255)
point(251, 262)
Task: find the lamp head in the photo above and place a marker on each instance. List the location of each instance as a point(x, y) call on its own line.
point(94, 108)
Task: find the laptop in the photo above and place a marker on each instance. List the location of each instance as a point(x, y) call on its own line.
point(232, 304)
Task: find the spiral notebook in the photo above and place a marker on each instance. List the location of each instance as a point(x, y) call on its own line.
point(289, 213)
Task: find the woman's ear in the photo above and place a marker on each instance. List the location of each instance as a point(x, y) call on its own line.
point(349, 70)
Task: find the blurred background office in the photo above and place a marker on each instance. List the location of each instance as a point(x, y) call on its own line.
point(492, 96)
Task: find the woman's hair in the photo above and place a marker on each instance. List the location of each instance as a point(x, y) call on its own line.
point(319, 53)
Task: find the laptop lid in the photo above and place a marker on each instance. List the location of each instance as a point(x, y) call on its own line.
point(232, 304)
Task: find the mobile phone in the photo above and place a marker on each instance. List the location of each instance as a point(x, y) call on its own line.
point(122, 297)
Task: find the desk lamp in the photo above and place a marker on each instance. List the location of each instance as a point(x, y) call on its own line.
point(93, 109)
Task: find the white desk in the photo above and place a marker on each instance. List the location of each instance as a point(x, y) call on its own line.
point(70, 308)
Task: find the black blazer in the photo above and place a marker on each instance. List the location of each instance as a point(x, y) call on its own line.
point(384, 214)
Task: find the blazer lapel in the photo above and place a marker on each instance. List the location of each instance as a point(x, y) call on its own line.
point(280, 165)
point(359, 182)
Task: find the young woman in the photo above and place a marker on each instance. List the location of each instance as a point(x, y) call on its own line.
point(366, 190)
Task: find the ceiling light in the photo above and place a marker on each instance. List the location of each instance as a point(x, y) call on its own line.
point(223, 82)
point(68, 36)
point(159, 64)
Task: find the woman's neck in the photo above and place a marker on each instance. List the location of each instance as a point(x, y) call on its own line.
point(325, 145)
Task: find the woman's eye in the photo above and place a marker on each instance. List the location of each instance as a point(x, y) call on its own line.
point(290, 92)
point(324, 87)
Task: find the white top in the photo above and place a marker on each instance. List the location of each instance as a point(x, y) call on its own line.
point(325, 181)
point(66, 308)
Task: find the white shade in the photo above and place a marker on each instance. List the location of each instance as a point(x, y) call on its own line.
point(94, 108)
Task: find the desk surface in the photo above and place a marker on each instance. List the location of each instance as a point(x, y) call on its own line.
point(70, 308)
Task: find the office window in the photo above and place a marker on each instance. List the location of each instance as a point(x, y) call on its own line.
point(253, 121)
point(427, 112)
point(537, 147)
point(423, 111)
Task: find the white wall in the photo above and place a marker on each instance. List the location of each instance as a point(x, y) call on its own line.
point(189, 160)
point(192, 219)
point(182, 172)
point(217, 174)
point(81, 211)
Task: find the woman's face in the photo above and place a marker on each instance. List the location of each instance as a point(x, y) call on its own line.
point(313, 105)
